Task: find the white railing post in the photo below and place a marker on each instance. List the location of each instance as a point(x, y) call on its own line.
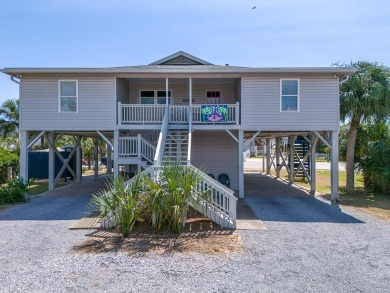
point(119, 113)
point(139, 146)
point(237, 113)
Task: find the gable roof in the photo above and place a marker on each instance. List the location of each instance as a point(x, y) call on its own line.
point(180, 58)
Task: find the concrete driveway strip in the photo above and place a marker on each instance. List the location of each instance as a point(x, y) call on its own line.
point(310, 246)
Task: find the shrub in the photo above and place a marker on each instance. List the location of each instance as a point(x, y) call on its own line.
point(13, 191)
point(376, 166)
point(163, 202)
point(7, 159)
point(121, 202)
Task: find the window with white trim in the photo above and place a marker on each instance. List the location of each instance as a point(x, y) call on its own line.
point(68, 96)
point(213, 97)
point(154, 97)
point(289, 95)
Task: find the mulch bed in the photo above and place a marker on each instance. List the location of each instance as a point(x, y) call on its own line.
point(200, 235)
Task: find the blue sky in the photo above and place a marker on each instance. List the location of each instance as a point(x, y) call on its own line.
point(99, 33)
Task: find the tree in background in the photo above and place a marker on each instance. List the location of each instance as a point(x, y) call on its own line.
point(364, 96)
point(9, 124)
point(87, 146)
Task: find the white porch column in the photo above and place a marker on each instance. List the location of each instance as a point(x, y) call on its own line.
point(78, 160)
point(334, 166)
point(277, 154)
point(116, 153)
point(263, 144)
point(291, 140)
point(166, 92)
point(189, 121)
point(95, 157)
point(268, 149)
point(109, 159)
point(241, 163)
point(24, 155)
point(51, 144)
point(313, 143)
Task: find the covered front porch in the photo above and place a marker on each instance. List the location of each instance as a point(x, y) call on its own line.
point(142, 101)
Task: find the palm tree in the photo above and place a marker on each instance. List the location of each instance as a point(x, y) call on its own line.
point(9, 118)
point(365, 95)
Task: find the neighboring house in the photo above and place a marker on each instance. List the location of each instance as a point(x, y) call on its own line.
point(185, 108)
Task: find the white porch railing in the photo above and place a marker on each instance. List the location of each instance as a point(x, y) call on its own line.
point(140, 114)
point(136, 147)
point(154, 114)
point(128, 146)
point(178, 114)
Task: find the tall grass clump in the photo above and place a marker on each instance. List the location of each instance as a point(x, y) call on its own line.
point(123, 203)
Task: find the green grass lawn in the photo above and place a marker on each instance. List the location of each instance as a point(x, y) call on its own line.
point(39, 187)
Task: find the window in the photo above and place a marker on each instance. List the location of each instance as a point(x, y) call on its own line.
point(289, 89)
point(68, 96)
point(213, 97)
point(154, 97)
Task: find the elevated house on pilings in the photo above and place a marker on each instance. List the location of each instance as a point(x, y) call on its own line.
point(184, 108)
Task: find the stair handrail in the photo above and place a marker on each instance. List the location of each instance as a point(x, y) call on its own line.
point(151, 136)
point(161, 139)
point(144, 145)
point(223, 208)
point(189, 135)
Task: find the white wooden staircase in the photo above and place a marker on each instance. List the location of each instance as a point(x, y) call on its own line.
point(176, 147)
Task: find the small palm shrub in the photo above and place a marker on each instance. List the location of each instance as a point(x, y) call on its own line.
point(121, 202)
point(162, 202)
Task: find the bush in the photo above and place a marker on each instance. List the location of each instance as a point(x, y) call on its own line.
point(163, 202)
point(376, 166)
point(121, 202)
point(13, 191)
point(7, 159)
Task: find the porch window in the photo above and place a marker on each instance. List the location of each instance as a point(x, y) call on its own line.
point(289, 95)
point(68, 96)
point(213, 97)
point(154, 97)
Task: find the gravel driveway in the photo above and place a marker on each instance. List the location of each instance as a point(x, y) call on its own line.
point(310, 246)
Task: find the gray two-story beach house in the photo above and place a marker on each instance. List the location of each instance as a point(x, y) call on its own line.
point(184, 108)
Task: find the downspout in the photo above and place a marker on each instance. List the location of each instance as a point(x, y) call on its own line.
point(13, 79)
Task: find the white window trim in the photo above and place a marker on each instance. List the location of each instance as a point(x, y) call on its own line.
point(298, 95)
point(214, 90)
point(77, 96)
point(155, 95)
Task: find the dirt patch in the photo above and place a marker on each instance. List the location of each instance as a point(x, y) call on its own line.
point(201, 235)
point(375, 205)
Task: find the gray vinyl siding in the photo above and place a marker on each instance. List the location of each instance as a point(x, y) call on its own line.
point(216, 152)
point(318, 104)
point(122, 91)
point(180, 89)
point(39, 100)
